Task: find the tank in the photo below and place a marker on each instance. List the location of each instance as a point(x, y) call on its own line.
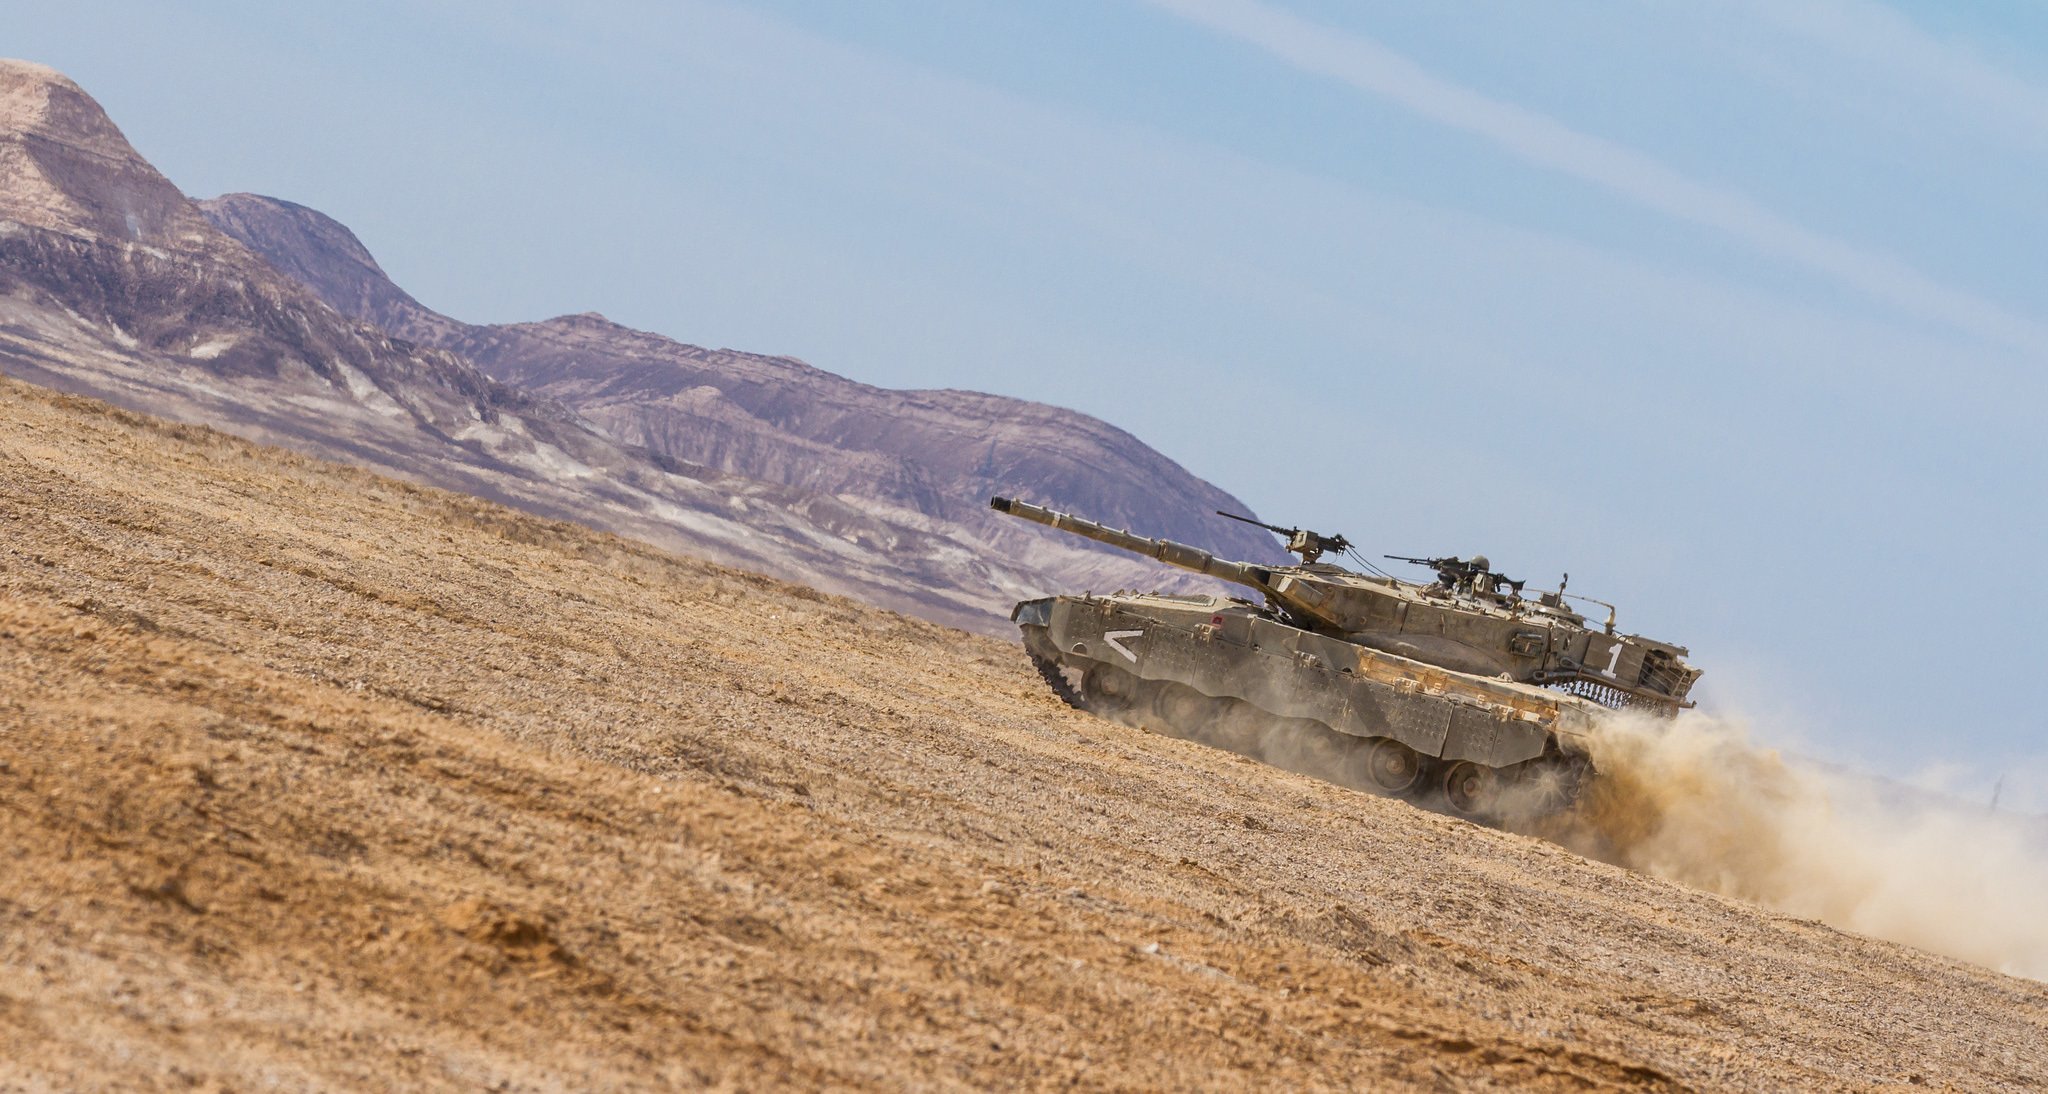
point(1457, 692)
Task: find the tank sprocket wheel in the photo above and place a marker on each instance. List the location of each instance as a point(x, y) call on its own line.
point(1555, 782)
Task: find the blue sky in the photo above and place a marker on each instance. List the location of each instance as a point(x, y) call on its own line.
point(1735, 309)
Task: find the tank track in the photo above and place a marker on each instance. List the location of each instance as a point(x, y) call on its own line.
point(1057, 681)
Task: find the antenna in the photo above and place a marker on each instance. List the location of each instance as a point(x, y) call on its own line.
point(1590, 600)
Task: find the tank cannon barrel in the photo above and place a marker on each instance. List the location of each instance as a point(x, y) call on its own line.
point(1164, 550)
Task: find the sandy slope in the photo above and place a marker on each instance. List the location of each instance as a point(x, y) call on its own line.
point(310, 777)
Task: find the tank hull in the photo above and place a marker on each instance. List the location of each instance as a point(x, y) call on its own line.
point(1219, 670)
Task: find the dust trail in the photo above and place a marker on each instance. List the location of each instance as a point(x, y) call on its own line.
point(1692, 800)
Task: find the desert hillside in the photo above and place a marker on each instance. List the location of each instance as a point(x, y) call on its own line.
point(311, 777)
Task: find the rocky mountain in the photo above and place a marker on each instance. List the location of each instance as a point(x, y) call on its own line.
point(938, 454)
point(114, 284)
point(323, 255)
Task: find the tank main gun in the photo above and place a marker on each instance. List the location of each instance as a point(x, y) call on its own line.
point(1309, 545)
point(1168, 551)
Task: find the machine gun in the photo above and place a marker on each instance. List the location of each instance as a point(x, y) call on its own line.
point(1462, 573)
point(1309, 545)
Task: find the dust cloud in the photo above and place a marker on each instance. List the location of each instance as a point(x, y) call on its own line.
point(1694, 801)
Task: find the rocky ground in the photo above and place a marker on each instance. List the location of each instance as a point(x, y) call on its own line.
point(313, 778)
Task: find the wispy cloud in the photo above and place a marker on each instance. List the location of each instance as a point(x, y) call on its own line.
point(1546, 142)
point(1871, 32)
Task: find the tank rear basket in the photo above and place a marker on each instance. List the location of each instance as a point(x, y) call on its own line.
point(1616, 698)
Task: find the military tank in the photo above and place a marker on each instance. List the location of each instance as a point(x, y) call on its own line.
point(1457, 691)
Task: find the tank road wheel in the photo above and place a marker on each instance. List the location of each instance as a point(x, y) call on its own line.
point(1471, 790)
point(1184, 712)
point(1109, 691)
point(1237, 727)
point(1392, 766)
point(1311, 748)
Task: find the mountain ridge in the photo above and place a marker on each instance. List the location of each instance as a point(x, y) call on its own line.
point(113, 284)
point(776, 417)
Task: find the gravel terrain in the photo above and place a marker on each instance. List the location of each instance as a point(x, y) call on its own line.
point(314, 778)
